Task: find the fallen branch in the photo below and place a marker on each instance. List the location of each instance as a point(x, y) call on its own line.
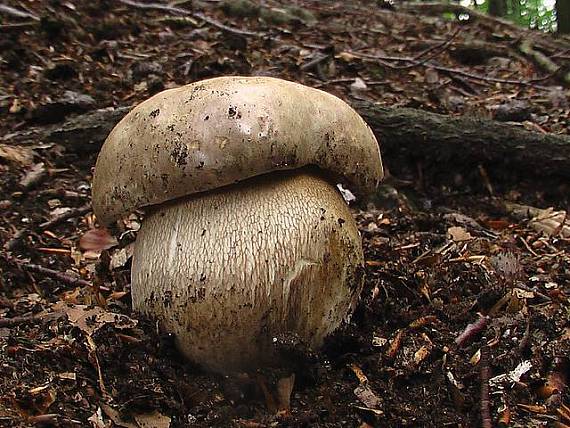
point(410, 135)
point(544, 62)
point(184, 12)
point(405, 134)
point(81, 134)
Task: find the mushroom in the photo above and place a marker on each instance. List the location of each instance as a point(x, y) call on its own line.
point(245, 235)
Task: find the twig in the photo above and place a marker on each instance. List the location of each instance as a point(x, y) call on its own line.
point(17, 237)
point(198, 15)
point(528, 246)
point(9, 10)
point(544, 62)
point(439, 48)
point(486, 420)
point(471, 330)
point(65, 278)
point(17, 26)
point(383, 59)
point(31, 319)
point(314, 62)
point(66, 215)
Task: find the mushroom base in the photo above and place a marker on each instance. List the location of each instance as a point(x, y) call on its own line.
point(227, 271)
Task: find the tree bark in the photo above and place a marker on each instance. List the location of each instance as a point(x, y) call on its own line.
point(458, 144)
point(563, 16)
point(498, 8)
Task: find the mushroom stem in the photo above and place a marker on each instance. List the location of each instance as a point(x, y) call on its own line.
point(228, 270)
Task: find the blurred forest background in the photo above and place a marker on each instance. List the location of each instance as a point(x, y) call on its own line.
point(544, 15)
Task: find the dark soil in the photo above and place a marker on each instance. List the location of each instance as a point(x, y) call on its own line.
point(460, 288)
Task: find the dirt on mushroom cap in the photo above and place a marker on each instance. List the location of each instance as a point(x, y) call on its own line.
point(219, 131)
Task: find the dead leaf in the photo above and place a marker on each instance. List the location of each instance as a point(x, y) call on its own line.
point(18, 154)
point(551, 223)
point(97, 240)
point(67, 376)
point(358, 85)
point(346, 56)
point(116, 418)
point(421, 354)
point(96, 419)
point(459, 234)
point(89, 320)
point(534, 408)
point(152, 420)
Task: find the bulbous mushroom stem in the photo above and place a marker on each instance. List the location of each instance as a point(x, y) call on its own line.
point(228, 270)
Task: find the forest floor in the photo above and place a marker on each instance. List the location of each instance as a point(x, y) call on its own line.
point(464, 316)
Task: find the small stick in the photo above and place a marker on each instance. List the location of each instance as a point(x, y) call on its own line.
point(66, 215)
point(31, 319)
point(471, 330)
point(67, 279)
point(181, 11)
point(9, 10)
point(486, 420)
point(384, 61)
point(14, 240)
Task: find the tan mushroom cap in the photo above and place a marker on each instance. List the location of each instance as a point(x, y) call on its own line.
point(220, 131)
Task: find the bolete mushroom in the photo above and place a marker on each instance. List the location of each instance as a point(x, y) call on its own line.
point(246, 236)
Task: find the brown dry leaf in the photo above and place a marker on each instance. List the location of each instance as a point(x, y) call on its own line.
point(18, 154)
point(395, 344)
point(72, 296)
point(116, 418)
point(421, 354)
point(96, 419)
point(89, 320)
point(97, 240)
point(459, 234)
point(67, 376)
point(551, 223)
point(152, 420)
point(117, 295)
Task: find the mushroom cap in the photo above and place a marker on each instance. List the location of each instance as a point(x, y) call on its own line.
point(220, 131)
